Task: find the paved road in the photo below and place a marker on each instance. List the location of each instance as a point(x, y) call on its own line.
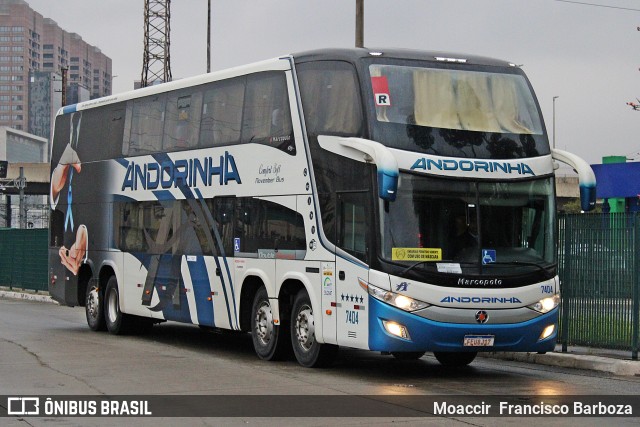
point(46, 349)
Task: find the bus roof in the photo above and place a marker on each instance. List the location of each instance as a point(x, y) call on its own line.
point(352, 55)
point(282, 63)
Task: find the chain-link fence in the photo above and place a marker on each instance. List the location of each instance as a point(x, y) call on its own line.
point(23, 258)
point(599, 256)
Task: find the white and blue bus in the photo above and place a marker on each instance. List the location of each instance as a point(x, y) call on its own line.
point(393, 200)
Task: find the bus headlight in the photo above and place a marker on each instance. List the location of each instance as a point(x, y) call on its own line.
point(400, 301)
point(545, 305)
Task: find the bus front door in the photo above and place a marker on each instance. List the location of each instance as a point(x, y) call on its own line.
point(351, 268)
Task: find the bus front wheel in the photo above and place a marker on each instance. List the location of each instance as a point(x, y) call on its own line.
point(308, 351)
point(455, 359)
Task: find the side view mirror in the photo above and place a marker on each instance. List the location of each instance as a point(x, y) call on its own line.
point(586, 177)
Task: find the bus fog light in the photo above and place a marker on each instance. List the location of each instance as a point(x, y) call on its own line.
point(545, 305)
point(396, 329)
point(547, 332)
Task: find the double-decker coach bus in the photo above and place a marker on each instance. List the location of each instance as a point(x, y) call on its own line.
point(391, 200)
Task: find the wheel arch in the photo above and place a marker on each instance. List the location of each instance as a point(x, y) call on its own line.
point(84, 276)
point(250, 287)
point(106, 271)
point(293, 283)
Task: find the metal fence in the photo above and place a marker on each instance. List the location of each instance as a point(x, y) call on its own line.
point(23, 258)
point(32, 213)
point(600, 280)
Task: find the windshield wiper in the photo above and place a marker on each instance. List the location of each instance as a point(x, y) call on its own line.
point(475, 264)
point(517, 263)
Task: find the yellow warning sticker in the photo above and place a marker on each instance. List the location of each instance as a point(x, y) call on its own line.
point(416, 254)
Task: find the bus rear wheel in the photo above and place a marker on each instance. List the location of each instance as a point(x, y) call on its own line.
point(455, 359)
point(270, 342)
point(308, 351)
point(118, 323)
point(94, 308)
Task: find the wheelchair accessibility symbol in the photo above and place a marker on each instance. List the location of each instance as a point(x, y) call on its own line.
point(488, 256)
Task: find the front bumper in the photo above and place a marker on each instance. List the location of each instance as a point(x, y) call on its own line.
point(429, 335)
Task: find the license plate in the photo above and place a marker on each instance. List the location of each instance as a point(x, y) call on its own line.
point(478, 340)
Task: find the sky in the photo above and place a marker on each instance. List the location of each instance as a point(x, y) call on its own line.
point(587, 56)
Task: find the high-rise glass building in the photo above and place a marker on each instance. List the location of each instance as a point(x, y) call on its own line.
point(32, 47)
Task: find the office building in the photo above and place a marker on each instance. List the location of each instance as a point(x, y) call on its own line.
point(32, 46)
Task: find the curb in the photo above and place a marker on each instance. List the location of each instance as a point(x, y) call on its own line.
point(27, 296)
point(574, 361)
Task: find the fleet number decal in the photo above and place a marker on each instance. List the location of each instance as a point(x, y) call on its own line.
point(352, 317)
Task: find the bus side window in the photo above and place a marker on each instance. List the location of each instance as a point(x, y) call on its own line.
point(223, 214)
point(267, 117)
point(113, 130)
point(129, 222)
point(330, 98)
point(222, 113)
point(268, 230)
point(182, 121)
point(147, 123)
point(352, 228)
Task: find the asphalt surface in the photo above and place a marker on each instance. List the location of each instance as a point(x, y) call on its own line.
point(600, 360)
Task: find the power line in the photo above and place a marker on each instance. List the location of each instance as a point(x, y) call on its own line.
point(598, 5)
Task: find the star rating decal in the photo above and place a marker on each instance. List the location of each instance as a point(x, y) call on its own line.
point(351, 298)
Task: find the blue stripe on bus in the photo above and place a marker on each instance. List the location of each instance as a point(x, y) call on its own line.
point(201, 291)
point(220, 252)
point(224, 291)
point(163, 195)
point(123, 162)
point(233, 294)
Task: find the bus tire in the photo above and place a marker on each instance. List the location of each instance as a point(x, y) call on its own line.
point(308, 351)
point(408, 355)
point(94, 308)
point(118, 323)
point(455, 359)
point(269, 341)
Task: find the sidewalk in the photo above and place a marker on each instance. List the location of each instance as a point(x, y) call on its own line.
point(592, 359)
point(39, 296)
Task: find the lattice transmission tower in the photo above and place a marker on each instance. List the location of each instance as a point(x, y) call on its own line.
point(156, 63)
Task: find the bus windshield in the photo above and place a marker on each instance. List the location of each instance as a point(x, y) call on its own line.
point(470, 223)
point(454, 112)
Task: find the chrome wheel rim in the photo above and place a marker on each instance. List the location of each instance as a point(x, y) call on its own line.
point(305, 329)
point(93, 303)
point(264, 323)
